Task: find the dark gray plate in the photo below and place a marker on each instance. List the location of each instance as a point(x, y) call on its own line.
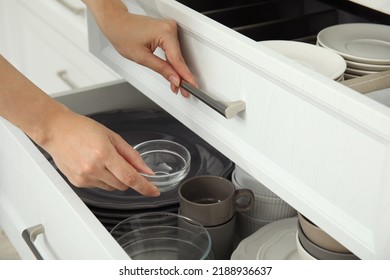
point(142, 125)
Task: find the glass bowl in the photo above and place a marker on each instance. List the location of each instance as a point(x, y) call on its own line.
point(169, 161)
point(162, 236)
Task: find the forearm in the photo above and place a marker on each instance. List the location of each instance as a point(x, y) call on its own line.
point(103, 10)
point(25, 105)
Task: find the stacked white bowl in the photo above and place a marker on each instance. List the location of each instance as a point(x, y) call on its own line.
point(267, 207)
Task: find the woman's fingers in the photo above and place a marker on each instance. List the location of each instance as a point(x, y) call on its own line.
point(130, 177)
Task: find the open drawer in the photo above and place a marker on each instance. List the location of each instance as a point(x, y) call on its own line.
point(322, 147)
point(34, 196)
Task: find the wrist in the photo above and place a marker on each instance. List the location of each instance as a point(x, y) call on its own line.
point(49, 124)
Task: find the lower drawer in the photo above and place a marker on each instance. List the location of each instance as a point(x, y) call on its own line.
point(33, 193)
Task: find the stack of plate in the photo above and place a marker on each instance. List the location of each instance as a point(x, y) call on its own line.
point(314, 57)
point(136, 126)
point(364, 46)
point(275, 241)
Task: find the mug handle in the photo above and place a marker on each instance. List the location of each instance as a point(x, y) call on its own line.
point(245, 195)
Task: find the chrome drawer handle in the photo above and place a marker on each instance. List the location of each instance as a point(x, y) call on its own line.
point(226, 109)
point(63, 75)
point(29, 235)
point(75, 10)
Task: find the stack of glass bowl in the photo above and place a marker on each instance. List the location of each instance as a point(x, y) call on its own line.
point(162, 236)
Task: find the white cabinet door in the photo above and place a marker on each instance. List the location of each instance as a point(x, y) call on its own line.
point(319, 145)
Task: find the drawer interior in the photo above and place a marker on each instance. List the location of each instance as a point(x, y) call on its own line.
point(298, 20)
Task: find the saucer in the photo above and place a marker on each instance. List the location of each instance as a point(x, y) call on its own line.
point(274, 241)
point(360, 42)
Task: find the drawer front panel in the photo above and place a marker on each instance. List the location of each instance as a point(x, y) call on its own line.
point(319, 145)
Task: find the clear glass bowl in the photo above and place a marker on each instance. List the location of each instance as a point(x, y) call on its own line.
point(162, 236)
point(169, 161)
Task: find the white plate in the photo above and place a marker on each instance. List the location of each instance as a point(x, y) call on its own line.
point(274, 241)
point(319, 59)
point(367, 66)
point(362, 42)
point(359, 72)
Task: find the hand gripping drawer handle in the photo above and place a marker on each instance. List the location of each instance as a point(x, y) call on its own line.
point(226, 109)
point(29, 235)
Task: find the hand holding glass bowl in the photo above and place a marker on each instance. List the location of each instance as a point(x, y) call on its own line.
point(169, 161)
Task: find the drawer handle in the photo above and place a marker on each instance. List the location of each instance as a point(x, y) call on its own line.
point(29, 235)
point(77, 11)
point(226, 109)
point(63, 75)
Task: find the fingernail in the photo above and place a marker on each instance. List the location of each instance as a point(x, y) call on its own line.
point(156, 192)
point(174, 80)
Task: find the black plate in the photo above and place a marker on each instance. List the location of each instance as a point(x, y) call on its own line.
point(142, 125)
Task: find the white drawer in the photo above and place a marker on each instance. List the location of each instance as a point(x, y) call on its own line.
point(67, 17)
point(33, 193)
point(60, 62)
point(47, 44)
point(321, 146)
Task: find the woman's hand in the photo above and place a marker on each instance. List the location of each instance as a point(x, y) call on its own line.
point(91, 155)
point(136, 37)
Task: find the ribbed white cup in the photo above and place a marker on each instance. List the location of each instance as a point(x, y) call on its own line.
point(267, 208)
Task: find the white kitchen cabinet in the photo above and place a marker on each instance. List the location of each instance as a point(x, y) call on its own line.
point(47, 42)
point(322, 147)
point(319, 145)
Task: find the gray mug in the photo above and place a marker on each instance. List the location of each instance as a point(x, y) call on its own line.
point(212, 200)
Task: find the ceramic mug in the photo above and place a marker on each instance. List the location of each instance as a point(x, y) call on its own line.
point(212, 200)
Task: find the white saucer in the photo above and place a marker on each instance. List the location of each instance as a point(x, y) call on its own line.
point(367, 66)
point(362, 42)
point(359, 72)
point(319, 59)
point(274, 241)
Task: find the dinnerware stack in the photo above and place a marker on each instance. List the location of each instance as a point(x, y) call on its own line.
point(321, 60)
point(364, 46)
point(137, 126)
point(267, 206)
point(315, 243)
point(274, 241)
point(162, 236)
